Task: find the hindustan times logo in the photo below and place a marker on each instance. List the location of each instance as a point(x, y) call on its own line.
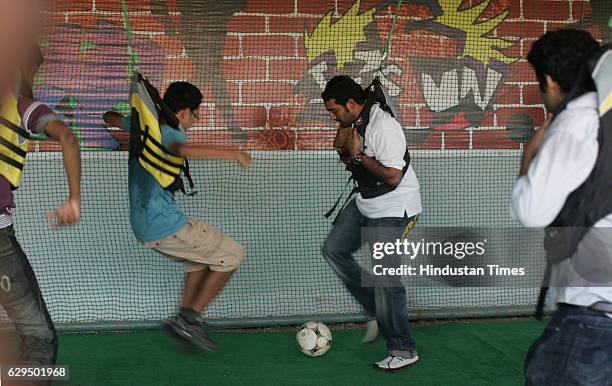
point(447, 270)
point(412, 249)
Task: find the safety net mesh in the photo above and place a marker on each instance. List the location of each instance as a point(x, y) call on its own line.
point(467, 100)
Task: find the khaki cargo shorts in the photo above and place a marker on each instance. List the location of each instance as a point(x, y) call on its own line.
point(200, 245)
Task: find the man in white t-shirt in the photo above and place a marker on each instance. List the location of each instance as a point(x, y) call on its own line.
point(388, 203)
point(576, 347)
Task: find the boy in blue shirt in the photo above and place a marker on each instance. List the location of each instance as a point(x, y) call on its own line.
point(209, 256)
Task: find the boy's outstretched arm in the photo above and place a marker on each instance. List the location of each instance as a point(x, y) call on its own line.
point(114, 119)
point(69, 211)
point(210, 152)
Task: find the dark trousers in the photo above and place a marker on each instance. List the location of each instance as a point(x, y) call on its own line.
point(575, 349)
point(21, 298)
point(386, 302)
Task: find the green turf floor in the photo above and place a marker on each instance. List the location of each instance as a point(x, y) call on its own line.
point(458, 353)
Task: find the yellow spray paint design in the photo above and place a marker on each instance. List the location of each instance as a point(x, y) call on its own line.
point(340, 37)
point(477, 44)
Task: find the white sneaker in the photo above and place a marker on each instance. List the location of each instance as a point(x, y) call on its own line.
point(392, 363)
point(372, 332)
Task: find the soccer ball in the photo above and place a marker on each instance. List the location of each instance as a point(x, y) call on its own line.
point(313, 338)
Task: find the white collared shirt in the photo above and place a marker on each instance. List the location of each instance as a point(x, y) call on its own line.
point(385, 141)
point(563, 162)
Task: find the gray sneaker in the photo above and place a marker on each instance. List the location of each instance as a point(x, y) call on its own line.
point(196, 333)
point(181, 343)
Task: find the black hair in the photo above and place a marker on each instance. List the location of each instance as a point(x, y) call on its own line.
point(182, 95)
point(563, 54)
point(342, 88)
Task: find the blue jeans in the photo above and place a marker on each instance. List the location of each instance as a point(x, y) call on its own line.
point(388, 304)
point(575, 349)
point(21, 298)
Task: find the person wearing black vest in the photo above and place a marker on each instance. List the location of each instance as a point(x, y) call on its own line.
point(555, 178)
point(372, 143)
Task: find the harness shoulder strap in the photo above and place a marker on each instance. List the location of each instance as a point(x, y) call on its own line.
point(142, 142)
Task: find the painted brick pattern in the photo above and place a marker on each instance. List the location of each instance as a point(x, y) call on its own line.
point(264, 61)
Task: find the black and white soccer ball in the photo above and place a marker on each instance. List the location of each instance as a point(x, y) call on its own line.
point(313, 338)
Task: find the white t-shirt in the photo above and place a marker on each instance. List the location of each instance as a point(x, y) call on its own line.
point(385, 141)
point(563, 162)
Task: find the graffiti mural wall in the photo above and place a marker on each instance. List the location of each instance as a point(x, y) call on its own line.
point(455, 68)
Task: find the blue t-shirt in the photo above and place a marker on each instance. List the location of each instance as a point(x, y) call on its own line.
point(154, 213)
